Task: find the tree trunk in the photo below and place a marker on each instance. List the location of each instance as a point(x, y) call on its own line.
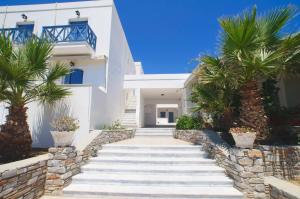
point(15, 138)
point(252, 110)
point(227, 119)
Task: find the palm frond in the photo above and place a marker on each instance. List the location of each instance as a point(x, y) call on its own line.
point(56, 72)
point(49, 93)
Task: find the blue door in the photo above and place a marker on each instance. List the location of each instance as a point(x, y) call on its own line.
point(75, 77)
point(28, 27)
point(78, 30)
point(171, 117)
point(24, 32)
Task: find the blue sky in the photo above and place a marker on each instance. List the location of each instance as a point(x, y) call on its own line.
point(166, 35)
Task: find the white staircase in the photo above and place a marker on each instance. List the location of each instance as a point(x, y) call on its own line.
point(151, 171)
point(129, 116)
point(164, 132)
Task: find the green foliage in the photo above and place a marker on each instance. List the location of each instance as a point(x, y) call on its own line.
point(116, 125)
point(252, 47)
point(186, 122)
point(65, 123)
point(26, 73)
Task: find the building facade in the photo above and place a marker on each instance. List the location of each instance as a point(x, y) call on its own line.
point(106, 84)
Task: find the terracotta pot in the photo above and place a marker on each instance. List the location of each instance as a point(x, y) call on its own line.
point(244, 140)
point(62, 138)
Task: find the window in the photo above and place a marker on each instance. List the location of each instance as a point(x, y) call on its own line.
point(162, 114)
point(75, 77)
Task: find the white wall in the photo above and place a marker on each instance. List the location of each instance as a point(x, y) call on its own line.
point(3, 113)
point(77, 105)
point(150, 109)
point(156, 81)
point(98, 109)
point(120, 62)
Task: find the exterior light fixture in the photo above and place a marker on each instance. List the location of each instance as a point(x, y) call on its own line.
point(77, 13)
point(72, 64)
point(24, 17)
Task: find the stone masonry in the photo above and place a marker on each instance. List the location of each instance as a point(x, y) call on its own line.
point(248, 167)
point(31, 178)
point(24, 182)
point(66, 162)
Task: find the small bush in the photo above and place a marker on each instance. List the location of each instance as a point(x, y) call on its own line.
point(65, 123)
point(115, 126)
point(186, 122)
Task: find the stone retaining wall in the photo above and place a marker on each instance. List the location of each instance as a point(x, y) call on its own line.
point(50, 173)
point(280, 189)
point(66, 162)
point(247, 167)
point(23, 179)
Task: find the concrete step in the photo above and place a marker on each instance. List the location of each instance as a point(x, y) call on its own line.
point(96, 191)
point(154, 134)
point(154, 147)
point(163, 180)
point(125, 119)
point(150, 153)
point(154, 169)
point(152, 161)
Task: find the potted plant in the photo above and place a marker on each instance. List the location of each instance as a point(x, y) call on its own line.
point(64, 128)
point(244, 137)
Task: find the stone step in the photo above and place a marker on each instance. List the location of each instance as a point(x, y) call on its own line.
point(150, 153)
point(154, 169)
point(152, 161)
point(163, 180)
point(96, 191)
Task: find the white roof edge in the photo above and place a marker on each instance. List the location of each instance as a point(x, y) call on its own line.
point(182, 76)
point(56, 6)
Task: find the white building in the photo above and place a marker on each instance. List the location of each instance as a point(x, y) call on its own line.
point(106, 84)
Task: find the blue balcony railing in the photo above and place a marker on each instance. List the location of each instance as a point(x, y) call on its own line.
point(70, 33)
point(17, 35)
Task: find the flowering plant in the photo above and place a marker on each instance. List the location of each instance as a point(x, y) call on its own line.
point(65, 123)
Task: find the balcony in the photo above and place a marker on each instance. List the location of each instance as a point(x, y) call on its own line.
point(74, 39)
point(17, 35)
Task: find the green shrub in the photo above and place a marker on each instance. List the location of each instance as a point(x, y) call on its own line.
point(186, 122)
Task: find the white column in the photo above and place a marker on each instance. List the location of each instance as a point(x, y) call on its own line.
point(138, 106)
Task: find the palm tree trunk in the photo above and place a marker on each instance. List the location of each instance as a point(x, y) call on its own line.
point(15, 138)
point(227, 119)
point(252, 110)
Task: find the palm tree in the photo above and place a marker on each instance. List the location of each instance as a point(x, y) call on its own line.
point(26, 75)
point(216, 91)
point(253, 48)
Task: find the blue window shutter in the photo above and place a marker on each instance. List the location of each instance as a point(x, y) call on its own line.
point(75, 77)
point(78, 30)
point(67, 79)
point(27, 26)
